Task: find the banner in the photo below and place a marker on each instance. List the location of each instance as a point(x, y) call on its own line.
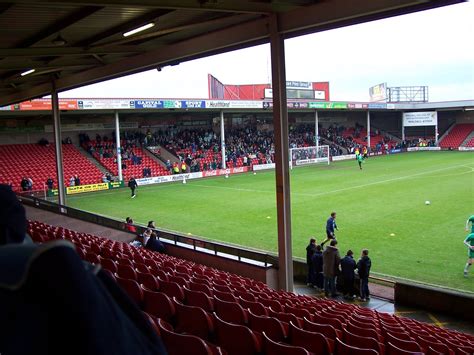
point(259, 167)
point(419, 149)
point(466, 149)
point(378, 92)
point(358, 105)
point(101, 104)
point(87, 188)
point(415, 119)
point(45, 105)
point(299, 85)
point(328, 105)
point(116, 184)
point(193, 104)
point(310, 161)
point(217, 104)
point(146, 104)
point(380, 106)
point(343, 157)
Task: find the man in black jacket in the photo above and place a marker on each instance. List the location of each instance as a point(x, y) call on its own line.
point(348, 265)
point(363, 266)
point(132, 184)
point(310, 249)
point(317, 261)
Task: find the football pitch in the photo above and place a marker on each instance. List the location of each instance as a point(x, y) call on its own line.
point(381, 207)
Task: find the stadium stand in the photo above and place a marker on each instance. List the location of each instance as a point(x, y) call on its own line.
point(104, 154)
point(457, 135)
point(470, 143)
point(38, 162)
point(185, 301)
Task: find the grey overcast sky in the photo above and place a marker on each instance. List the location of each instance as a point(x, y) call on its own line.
point(434, 48)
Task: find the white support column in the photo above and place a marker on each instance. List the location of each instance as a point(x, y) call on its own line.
point(403, 128)
point(282, 175)
point(223, 140)
point(436, 130)
point(117, 144)
point(368, 130)
point(58, 146)
point(316, 130)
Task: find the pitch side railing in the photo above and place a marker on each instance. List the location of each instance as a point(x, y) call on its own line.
point(219, 249)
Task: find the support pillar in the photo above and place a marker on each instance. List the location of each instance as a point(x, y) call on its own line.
point(223, 141)
point(368, 130)
point(436, 130)
point(403, 127)
point(316, 131)
point(58, 146)
point(280, 123)
point(117, 144)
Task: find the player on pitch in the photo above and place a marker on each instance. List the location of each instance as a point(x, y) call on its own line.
point(469, 242)
point(331, 227)
point(470, 220)
point(360, 160)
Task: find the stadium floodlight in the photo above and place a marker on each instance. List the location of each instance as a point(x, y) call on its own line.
point(139, 29)
point(28, 72)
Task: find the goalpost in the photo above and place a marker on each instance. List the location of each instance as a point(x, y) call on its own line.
point(309, 155)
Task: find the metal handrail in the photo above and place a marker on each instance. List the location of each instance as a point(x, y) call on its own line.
point(170, 236)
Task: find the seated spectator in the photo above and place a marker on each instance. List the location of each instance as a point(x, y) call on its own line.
point(129, 225)
point(155, 244)
point(24, 184)
point(50, 183)
point(72, 181)
point(77, 181)
point(43, 142)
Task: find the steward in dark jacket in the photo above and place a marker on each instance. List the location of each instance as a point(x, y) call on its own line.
point(317, 261)
point(348, 265)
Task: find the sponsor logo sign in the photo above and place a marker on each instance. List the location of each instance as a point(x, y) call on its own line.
point(45, 104)
point(87, 188)
point(328, 105)
point(299, 85)
point(358, 105)
point(343, 157)
point(259, 167)
point(147, 104)
point(466, 149)
point(414, 119)
point(378, 92)
point(100, 104)
point(380, 106)
point(310, 161)
point(320, 95)
point(217, 104)
point(418, 149)
point(193, 104)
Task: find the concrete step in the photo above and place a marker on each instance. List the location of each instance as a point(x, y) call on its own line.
point(469, 137)
point(94, 161)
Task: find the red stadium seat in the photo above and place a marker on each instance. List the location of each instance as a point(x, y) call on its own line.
point(198, 299)
point(275, 348)
point(193, 320)
point(344, 349)
point(271, 326)
point(132, 288)
point(236, 339)
point(158, 304)
point(231, 312)
point(313, 342)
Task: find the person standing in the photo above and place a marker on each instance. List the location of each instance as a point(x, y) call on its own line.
point(132, 184)
point(331, 227)
point(348, 265)
point(360, 160)
point(72, 181)
point(50, 183)
point(317, 261)
point(470, 220)
point(310, 249)
point(331, 260)
point(363, 266)
point(469, 242)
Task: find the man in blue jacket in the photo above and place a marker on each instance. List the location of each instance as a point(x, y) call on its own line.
point(331, 227)
point(317, 261)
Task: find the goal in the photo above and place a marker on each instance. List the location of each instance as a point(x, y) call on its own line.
point(309, 155)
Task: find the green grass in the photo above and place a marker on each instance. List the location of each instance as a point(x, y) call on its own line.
point(387, 196)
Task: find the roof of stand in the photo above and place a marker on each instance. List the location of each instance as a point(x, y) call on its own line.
point(78, 42)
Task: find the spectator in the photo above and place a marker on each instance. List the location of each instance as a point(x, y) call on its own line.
point(363, 266)
point(348, 266)
point(168, 165)
point(30, 183)
point(310, 249)
point(129, 225)
point(50, 183)
point(24, 184)
point(77, 181)
point(331, 260)
point(183, 167)
point(132, 184)
point(72, 181)
point(104, 178)
point(317, 262)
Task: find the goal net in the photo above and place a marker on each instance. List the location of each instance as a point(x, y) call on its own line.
point(309, 155)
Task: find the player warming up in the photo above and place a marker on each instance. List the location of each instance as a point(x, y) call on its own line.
point(470, 220)
point(360, 160)
point(132, 184)
point(469, 242)
point(331, 227)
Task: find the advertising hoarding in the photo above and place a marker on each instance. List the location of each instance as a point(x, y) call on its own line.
point(378, 92)
point(415, 119)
